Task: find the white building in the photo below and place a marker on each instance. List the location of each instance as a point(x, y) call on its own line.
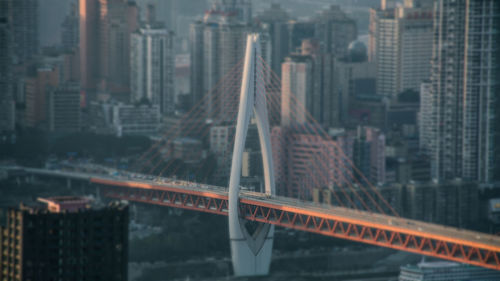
point(217, 45)
point(297, 80)
point(401, 45)
point(153, 68)
point(123, 119)
point(136, 120)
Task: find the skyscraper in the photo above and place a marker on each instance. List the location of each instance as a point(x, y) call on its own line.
point(401, 46)
point(105, 29)
point(309, 76)
point(275, 20)
point(335, 30)
point(70, 29)
point(24, 29)
point(118, 20)
point(369, 153)
point(89, 45)
point(152, 67)
point(296, 80)
point(7, 113)
point(464, 129)
point(216, 47)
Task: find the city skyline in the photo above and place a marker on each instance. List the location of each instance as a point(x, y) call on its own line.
point(370, 121)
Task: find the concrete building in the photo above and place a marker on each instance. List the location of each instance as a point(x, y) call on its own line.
point(463, 136)
point(24, 29)
point(335, 30)
point(425, 116)
point(64, 113)
point(304, 161)
point(118, 20)
point(275, 20)
point(70, 36)
point(135, 119)
point(152, 73)
point(37, 88)
point(453, 203)
point(105, 29)
point(216, 47)
point(307, 82)
point(354, 77)
point(369, 153)
point(296, 80)
point(401, 45)
point(89, 45)
point(187, 149)
point(7, 106)
point(446, 271)
point(66, 240)
point(221, 145)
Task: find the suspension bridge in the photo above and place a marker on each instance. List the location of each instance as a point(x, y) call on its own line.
point(298, 155)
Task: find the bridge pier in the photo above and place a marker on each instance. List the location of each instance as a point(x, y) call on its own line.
point(250, 253)
point(68, 183)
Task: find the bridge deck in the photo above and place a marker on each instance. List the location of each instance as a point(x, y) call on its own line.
point(398, 233)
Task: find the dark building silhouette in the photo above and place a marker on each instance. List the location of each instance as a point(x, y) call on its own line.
point(66, 240)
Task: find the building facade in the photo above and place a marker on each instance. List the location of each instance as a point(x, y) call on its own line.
point(304, 161)
point(153, 68)
point(67, 240)
point(216, 48)
point(24, 29)
point(7, 106)
point(63, 108)
point(464, 127)
point(335, 30)
point(401, 46)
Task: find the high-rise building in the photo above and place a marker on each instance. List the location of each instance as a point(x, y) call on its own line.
point(7, 107)
point(221, 145)
point(64, 113)
point(463, 134)
point(153, 68)
point(118, 20)
point(275, 20)
point(24, 29)
point(401, 46)
point(36, 89)
point(105, 29)
point(70, 35)
point(216, 46)
point(89, 45)
point(336, 31)
point(67, 240)
point(444, 271)
point(369, 153)
point(240, 9)
point(354, 78)
point(309, 76)
point(296, 80)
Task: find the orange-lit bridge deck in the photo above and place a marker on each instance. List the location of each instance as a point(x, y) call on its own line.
point(401, 234)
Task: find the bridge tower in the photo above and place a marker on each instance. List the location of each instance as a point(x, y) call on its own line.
point(251, 253)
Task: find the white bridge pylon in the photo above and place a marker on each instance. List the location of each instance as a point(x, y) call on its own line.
point(251, 253)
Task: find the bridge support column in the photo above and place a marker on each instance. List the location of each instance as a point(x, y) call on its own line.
point(250, 253)
point(68, 183)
